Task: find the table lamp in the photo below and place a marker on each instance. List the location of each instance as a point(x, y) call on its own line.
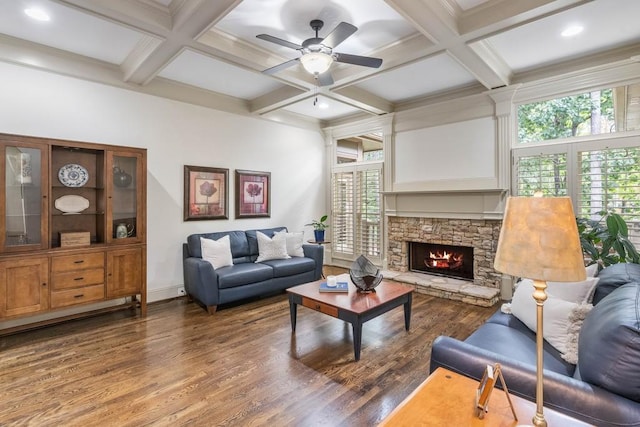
point(539, 240)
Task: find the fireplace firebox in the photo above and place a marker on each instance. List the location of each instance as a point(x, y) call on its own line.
point(441, 260)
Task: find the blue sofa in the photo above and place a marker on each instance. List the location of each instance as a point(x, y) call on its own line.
point(603, 389)
point(245, 278)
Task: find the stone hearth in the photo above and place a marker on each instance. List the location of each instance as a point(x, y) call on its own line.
point(482, 235)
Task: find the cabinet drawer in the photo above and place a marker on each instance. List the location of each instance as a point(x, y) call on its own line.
point(78, 278)
point(77, 262)
point(319, 306)
point(77, 296)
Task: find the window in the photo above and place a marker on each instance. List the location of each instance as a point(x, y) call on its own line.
point(357, 211)
point(599, 173)
point(369, 212)
point(604, 178)
point(610, 180)
point(343, 211)
point(598, 112)
point(543, 172)
point(360, 148)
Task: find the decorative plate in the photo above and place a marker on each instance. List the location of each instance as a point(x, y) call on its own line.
point(73, 175)
point(71, 203)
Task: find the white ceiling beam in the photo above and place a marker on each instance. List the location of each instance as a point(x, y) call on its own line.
point(362, 99)
point(484, 63)
point(45, 58)
point(143, 50)
point(191, 19)
point(218, 44)
point(277, 99)
point(395, 55)
point(293, 119)
point(438, 21)
point(583, 65)
point(151, 18)
point(201, 17)
point(499, 15)
point(33, 55)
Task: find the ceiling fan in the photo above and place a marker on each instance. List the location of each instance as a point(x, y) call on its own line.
point(317, 53)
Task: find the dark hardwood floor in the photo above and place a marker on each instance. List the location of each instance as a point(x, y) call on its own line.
point(239, 367)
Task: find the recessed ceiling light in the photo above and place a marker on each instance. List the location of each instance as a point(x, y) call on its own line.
point(37, 14)
point(572, 30)
point(323, 105)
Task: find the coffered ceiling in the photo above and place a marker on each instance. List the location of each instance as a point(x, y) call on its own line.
point(206, 52)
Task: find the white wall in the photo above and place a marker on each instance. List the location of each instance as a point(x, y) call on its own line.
point(464, 150)
point(175, 134)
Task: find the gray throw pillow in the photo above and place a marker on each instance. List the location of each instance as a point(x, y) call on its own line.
point(614, 276)
point(609, 343)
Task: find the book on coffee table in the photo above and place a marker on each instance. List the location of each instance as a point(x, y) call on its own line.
point(340, 287)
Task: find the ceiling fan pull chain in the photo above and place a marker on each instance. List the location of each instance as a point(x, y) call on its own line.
point(315, 93)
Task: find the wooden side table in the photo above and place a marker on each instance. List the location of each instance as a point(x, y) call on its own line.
point(448, 399)
point(324, 242)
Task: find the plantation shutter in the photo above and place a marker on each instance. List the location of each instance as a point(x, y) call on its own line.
point(541, 172)
point(356, 225)
point(369, 217)
point(610, 181)
point(343, 208)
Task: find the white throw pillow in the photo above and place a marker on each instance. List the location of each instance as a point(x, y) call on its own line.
point(577, 292)
point(561, 319)
point(580, 292)
point(592, 270)
point(576, 318)
point(217, 252)
point(294, 242)
point(275, 248)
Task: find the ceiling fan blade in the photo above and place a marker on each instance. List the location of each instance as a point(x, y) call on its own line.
point(281, 67)
point(339, 34)
point(365, 61)
point(281, 42)
point(325, 79)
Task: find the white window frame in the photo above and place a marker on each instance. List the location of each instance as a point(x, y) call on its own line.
point(355, 168)
point(572, 148)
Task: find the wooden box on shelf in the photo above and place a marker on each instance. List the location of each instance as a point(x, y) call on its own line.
point(74, 238)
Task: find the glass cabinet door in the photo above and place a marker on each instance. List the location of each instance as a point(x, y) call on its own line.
point(24, 213)
point(124, 201)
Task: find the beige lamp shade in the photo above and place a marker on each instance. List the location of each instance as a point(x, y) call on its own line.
point(539, 240)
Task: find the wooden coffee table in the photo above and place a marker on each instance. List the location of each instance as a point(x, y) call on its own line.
point(353, 307)
point(446, 398)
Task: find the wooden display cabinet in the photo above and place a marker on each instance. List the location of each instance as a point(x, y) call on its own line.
point(72, 226)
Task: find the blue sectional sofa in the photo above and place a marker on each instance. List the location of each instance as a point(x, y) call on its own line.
point(245, 278)
point(603, 389)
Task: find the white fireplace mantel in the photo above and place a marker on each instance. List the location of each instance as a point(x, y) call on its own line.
point(453, 204)
point(479, 190)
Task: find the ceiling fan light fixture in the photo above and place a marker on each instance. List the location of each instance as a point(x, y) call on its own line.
point(316, 62)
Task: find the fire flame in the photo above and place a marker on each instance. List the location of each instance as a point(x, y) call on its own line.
point(445, 259)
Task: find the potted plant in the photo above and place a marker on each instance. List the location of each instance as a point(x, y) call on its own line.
point(318, 228)
point(606, 241)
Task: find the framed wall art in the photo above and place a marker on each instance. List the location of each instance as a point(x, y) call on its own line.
point(205, 193)
point(253, 194)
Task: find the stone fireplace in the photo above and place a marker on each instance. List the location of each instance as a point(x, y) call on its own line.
point(480, 236)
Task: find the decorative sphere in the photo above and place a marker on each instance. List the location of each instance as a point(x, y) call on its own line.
point(364, 274)
point(121, 178)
